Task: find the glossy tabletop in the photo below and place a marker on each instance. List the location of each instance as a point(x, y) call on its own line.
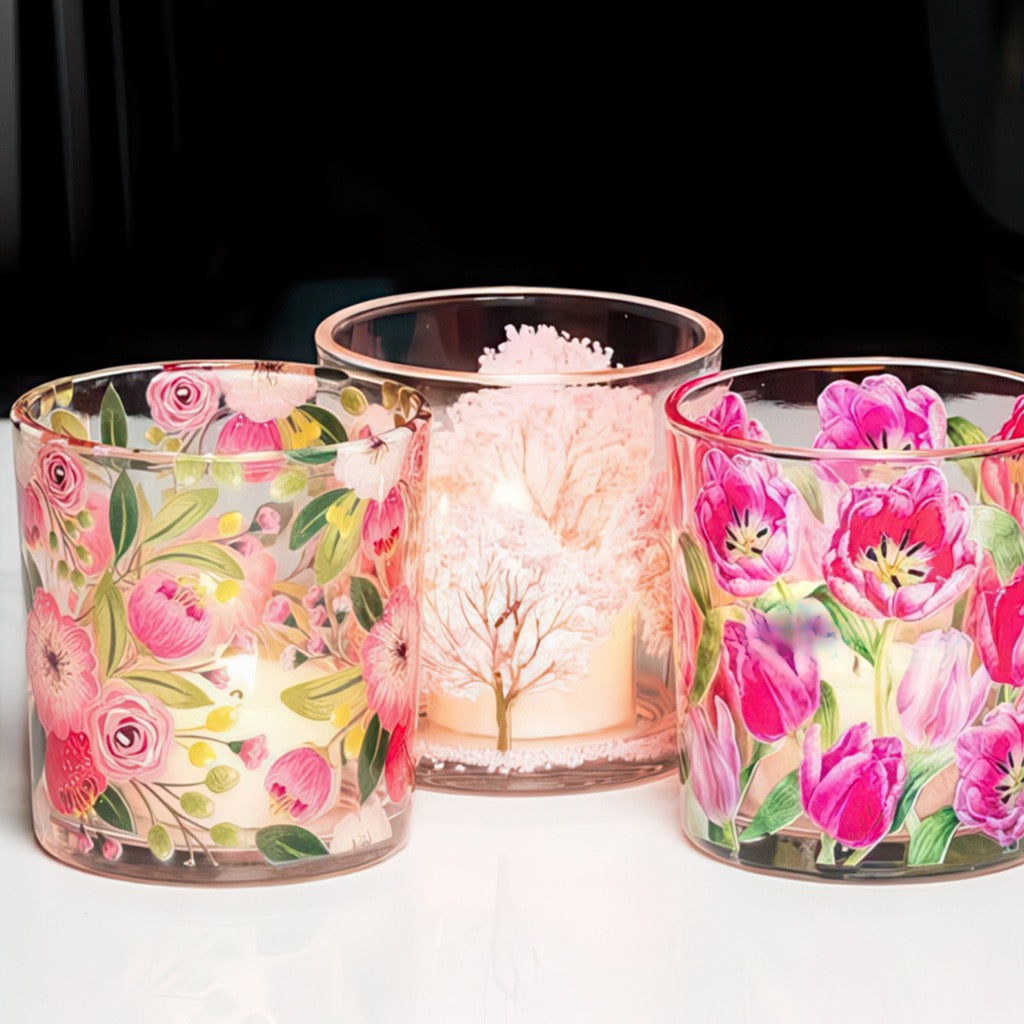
point(522, 909)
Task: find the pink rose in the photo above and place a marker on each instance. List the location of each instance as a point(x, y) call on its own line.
point(880, 413)
point(850, 792)
point(744, 510)
point(995, 617)
point(382, 524)
point(938, 695)
point(713, 761)
point(61, 665)
point(301, 784)
point(253, 751)
point(181, 400)
point(168, 616)
point(990, 763)
point(132, 734)
point(901, 550)
point(777, 679)
point(62, 479)
point(73, 779)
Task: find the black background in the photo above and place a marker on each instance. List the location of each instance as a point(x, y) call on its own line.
point(247, 172)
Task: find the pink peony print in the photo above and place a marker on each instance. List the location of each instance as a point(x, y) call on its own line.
point(265, 393)
point(62, 668)
point(1003, 475)
point(901, 550)
point(301, 784)
point(777, 678)
point(382, 524)
point(386, 656)
point(241, 435)
point(713, 760)
point(168, 615)
point(995, 618)
point(253, 751)
point(938, 696)
point(399, 767)
point(131, 734)
point(990, 764)
point(851, 790)
point(73, 779)
point(729, 418)
point(743, 511)
point(880, 413)
point(181, 400)
point(62, 479)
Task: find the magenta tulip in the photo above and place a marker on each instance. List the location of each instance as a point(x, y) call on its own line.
point(729, 418)
point(851, 790)
point(778, 682)
point(996, 620)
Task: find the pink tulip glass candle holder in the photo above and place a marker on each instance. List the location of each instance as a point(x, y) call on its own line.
point(222, 567)
point(547, 611)
point(848, 574)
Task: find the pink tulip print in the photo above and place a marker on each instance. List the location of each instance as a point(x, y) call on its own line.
point(744, 510)
point(901, 550)
point(729, 418)
point(850, 790)
point(713, 759)
point(996, 619)
point(1003, 475)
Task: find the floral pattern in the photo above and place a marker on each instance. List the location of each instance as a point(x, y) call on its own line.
point(222, 650)
point(868, 690)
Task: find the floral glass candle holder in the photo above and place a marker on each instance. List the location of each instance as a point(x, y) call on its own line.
point(547, 610)
point(848, 570)
point(222, 567)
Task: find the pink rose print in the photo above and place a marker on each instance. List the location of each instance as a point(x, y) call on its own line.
point(777, 679)
point(386, 654)
point(743, 511)
point(399, 768)
point(181, 400)
point(382, 524)
point(73, 779)
point(990, 763)
point(300, 784)
point(168, 616)
point(1003, 475)
point(241, 435)
point(714, 761)
point(253, 751)
point(880, 413)
point(901, 550)
point(61, 664)
point(995, 617)
point(938, 695)
point(729, 418)
point(850, 792)
point(62, 479)
point(131, 734)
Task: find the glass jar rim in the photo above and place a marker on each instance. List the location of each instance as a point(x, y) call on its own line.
point(393, 304)
point(682, 425)
point(23, 420)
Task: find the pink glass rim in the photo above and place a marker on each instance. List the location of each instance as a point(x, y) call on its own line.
point(682, 425)
point(407, 302)
point(22, 419)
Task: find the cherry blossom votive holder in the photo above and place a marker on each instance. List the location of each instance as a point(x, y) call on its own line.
point(848, 571)
point(547, 610)
point(221, 641)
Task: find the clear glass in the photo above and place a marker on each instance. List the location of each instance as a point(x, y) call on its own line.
point(848, 579)
point(547, 626)
point(222, 566)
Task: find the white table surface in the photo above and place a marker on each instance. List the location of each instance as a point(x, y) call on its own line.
point(583, 908)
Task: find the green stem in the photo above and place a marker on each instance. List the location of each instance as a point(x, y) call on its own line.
point(857, 856)
point(729, 832)
point(883, 678)
point(827, 855)
point(784, 592)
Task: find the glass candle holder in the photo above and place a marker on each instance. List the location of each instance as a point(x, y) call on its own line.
point(222, 566)
point(547, 627)
point(848, 571)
